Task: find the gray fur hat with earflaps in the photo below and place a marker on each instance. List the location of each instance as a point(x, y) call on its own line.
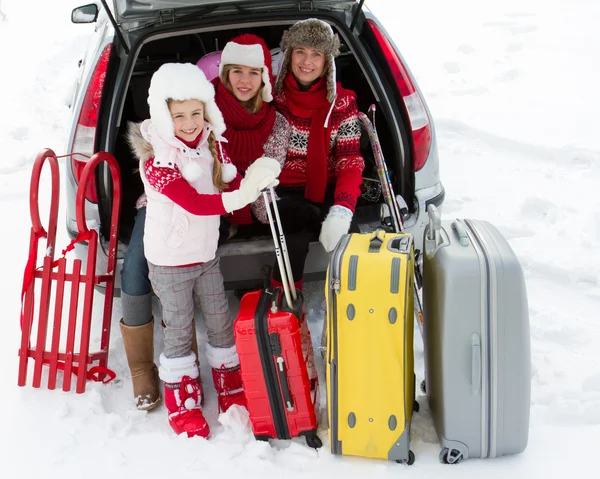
point(312, 33)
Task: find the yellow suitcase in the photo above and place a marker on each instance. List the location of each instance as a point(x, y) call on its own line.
point(370, 363)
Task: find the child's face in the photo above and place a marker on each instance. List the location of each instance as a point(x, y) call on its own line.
point(188, 118)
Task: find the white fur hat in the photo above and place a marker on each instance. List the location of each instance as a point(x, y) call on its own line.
point(179, 82)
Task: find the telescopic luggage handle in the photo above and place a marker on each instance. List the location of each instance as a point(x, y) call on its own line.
point(283, 259)
point(435, 223)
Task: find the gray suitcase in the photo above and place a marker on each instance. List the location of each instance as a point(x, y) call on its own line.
point(476, 337)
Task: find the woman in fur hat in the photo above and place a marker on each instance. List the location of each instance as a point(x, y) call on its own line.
point(189, 183)
point(243, 93)
point(322, 174)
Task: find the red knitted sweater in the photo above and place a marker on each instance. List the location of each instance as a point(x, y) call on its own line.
point(344, 161)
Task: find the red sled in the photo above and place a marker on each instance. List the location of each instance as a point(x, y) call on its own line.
point(80, 283)
point(273, 366)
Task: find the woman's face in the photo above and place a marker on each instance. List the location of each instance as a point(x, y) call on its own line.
point(245, 81)
point(307, 64)
point(188, 118)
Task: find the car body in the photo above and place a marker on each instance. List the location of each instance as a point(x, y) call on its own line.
point(130, 43)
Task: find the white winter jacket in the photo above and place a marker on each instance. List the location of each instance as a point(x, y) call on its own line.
point(172, 236)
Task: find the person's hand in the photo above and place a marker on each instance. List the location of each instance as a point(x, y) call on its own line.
point(258, 178)
point(336, 224)
point(264, 166)
point(264, 162)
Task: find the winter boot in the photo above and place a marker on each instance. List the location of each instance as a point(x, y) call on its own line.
point(227, 377)
point(139, 348)
point(183, 395)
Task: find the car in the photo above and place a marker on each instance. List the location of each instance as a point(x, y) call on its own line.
point(134, 38)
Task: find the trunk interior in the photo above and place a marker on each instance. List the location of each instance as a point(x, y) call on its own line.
point(190, 48)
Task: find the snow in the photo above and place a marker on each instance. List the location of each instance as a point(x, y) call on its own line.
point(512, 88)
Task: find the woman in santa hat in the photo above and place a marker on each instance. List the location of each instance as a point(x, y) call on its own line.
point(253, 127)
point(189, 183)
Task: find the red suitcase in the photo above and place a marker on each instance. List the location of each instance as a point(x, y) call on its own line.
point(274, 371)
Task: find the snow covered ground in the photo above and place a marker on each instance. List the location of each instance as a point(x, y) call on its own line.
point(513, 90)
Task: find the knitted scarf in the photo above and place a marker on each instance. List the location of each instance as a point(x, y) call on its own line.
point(312, 104)
point(246, 132)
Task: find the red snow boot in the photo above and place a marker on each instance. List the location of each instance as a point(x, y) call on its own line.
point(183, 395)
point(226, 376)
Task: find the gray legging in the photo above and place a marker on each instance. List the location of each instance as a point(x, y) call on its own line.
point(179, 289)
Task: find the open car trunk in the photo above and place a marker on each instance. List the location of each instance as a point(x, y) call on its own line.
point(142, 12)
point(242, 258)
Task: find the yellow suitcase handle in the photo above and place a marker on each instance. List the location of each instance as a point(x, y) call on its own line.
point(376, 241)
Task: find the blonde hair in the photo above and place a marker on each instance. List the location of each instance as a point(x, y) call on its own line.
point(217, 172)
point(255, 103)
point(217, 168)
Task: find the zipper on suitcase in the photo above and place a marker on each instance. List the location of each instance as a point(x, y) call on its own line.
point(490, 339)
point(285, 389)
point(334, 288)
point(268, 365)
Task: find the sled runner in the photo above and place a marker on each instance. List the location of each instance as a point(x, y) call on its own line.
point(476, 336)
point(52, 275)
point(274, 346)
point(370, 364)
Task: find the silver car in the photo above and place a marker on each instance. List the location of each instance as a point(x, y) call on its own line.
point(135, 37)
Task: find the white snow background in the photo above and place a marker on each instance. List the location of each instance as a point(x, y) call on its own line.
point(513, 88)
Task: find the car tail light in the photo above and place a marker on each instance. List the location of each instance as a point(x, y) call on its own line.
point(417, 114)
point(85, 131)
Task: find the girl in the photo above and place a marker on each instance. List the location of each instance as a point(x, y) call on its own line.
point(243, 93)
point(189, 183)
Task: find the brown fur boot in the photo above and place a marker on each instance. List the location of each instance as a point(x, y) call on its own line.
point(139, 348)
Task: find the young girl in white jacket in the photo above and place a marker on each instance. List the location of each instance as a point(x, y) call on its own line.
point(189, 183)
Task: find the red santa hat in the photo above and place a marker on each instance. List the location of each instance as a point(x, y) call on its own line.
point(250, 50)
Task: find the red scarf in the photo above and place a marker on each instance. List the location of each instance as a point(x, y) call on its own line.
point(312, 104)
point(190, 144)
point(246, 132)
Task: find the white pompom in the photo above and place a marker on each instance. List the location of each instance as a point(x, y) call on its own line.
point(191, 172)
point(189, 403)
point(228, 172)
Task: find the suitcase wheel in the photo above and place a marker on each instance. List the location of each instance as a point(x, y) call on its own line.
point(410, 461)
point(314, 442)
point(416, 406)
point(423, 387)
point(450, 456)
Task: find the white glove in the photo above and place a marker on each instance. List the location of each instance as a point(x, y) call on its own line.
point(336, 224)
point(265, 162)
point(257, 179)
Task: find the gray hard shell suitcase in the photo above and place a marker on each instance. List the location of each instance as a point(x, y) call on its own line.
point(476, 337)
